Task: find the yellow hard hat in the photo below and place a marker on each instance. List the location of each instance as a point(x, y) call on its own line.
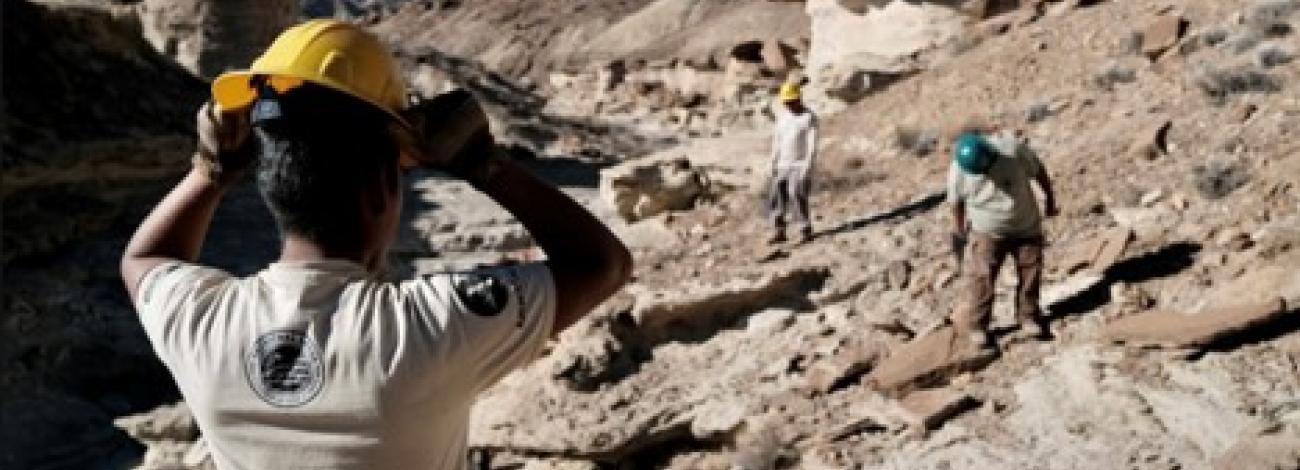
point(330, 53)
point(789, 92)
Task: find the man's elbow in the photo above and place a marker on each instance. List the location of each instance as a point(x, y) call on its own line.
point(617, 269)
point(129, 269)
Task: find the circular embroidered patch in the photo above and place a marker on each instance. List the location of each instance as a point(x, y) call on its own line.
point(284, 368)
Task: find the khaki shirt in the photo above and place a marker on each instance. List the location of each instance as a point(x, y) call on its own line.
point(1001, 203)
point(316, 366)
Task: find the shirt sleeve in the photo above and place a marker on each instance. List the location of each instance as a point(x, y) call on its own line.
point(498, 319)
point(1030, 158)
point(175, 304)
point(954, 184)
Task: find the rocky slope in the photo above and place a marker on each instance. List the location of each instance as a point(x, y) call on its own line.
point(1174, 149)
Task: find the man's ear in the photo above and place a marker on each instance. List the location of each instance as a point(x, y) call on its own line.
point(388, 183)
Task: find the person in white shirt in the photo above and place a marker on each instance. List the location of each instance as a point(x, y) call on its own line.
point(994, 208)
point(317, 361)
point(794, 152)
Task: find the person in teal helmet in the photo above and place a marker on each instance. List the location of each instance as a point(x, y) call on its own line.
point(996, 213)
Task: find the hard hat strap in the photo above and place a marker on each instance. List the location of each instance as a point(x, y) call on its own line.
point(266, 107)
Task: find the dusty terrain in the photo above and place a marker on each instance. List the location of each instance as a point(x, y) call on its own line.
point(1172, 130)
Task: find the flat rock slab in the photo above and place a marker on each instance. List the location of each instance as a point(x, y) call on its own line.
point(853, 360)
point(1100, 253)
point(930, 359)
point(929, 409)
point(1182, 331)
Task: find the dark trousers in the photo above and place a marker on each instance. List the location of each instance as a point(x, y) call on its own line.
point(789, 194)
point(983, 261)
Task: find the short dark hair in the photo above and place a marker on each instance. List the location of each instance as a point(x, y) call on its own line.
point(318, 160)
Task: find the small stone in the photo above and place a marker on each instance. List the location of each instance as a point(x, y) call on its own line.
point(717, 418)
point(1235, 240)
point(1162, 34)
point(1152, 143)
point(897, 275)
point(1151, 198)
point(843, 366)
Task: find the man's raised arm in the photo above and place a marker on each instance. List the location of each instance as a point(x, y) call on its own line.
point(175, 228)
point(586, 260)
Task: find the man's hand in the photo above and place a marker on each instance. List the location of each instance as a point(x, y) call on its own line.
point(451, 133)
point(224, 148)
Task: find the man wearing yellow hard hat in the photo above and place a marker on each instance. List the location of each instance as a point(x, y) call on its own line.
point(794, 150)
point(318, 361)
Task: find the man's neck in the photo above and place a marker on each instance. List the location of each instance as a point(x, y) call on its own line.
point(299, 249)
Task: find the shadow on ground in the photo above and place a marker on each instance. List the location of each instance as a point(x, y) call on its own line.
point(904, 211)
point(1283, 325)
point(1165, 262)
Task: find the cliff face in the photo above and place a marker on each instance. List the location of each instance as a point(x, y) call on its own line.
point(207, 37)
point(96, 122)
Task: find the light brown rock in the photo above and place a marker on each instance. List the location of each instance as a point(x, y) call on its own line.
point(638, 190)
point(1151, 142)
point(1162, 35)
point(174, 422)
point(851, 360)
point(1176, 330)
point(1113, 245)
point(662, 315)
point(929, 409)
point(778, 56)
point(933, 358)
point(1099, 253)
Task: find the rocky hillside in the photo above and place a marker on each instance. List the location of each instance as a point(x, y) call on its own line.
point(1172, 130)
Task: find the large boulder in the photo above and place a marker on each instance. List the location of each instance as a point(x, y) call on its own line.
point(851, 41)
point(208, 37)
point(637, 190)
point(697, 31)
point(852, 77)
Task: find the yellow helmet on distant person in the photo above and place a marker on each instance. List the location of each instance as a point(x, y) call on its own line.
point(789, 92)
point(330, 53)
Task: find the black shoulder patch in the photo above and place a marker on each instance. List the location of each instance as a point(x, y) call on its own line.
point(483, 294)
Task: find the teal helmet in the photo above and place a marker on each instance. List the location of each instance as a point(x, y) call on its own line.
point(973, 154)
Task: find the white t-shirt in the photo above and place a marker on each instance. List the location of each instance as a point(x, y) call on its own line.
point(1001, 202)
point(794, 140)
point(316, 366)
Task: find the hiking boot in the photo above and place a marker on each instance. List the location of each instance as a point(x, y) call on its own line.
point(779, 237)
point(805, 236)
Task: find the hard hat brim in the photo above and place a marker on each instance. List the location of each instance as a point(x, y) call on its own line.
point(234, 90)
